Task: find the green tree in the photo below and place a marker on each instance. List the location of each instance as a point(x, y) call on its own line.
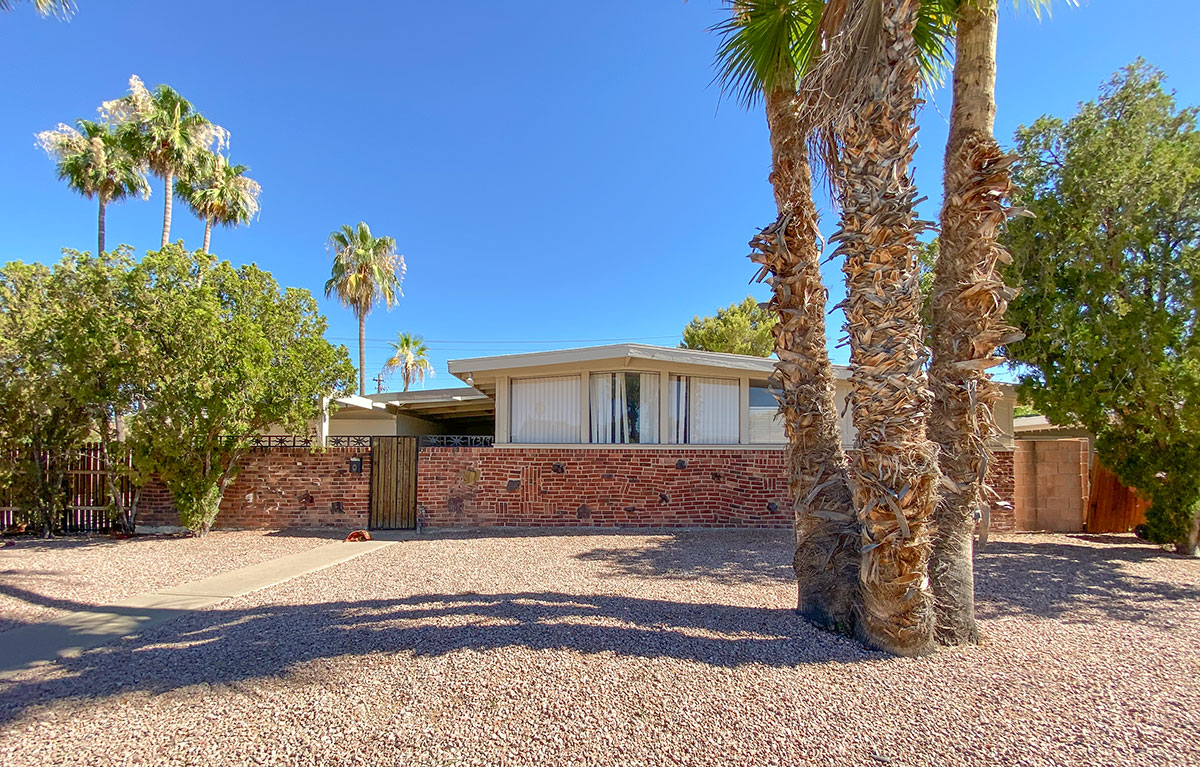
point(366, 270)
point(104, 346)
point(1109, 266)
point(172, 133)
point(98, 160)
point(218, 192)
point(410, 356)
point(43, 421)
point(744, 328)
point(236, 355)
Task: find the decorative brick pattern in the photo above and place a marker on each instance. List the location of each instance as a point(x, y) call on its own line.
point(490, 487)
point(616, 487)
point(602, 487)
point(279, 488)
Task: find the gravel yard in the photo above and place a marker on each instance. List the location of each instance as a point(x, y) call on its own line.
point(633, 649)
point(43, 579)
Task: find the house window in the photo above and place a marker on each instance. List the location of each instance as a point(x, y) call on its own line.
point(544, 410)
point(703, 411)
point(766, 422)
point(624, 408)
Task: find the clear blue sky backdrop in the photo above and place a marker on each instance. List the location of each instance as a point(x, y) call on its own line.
point(555, 173)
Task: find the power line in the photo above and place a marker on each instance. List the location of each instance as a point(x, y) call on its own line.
point(513, 343)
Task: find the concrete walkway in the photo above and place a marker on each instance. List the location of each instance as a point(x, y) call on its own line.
point(65, 637)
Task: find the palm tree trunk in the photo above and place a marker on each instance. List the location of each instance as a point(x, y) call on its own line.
point(100, 227)
point(826, 558)
point(362, 353)
point(968, 303)
point(894, 473)
point(169, 194)
point(208, 222)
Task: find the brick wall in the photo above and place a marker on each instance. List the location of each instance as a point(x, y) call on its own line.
point(616, 487)
point(1000, 478)
point(602, 488)
point(282, 488)
point(1051, 484)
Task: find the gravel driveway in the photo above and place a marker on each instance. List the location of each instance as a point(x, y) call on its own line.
point(613, 649)
point(44, 579)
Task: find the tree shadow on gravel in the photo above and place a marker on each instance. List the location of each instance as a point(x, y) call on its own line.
point(758, 557)
point(1052, 579)
point(217, 647)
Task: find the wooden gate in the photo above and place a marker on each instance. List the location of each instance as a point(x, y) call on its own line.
point(393, 483)
point(1112, 507)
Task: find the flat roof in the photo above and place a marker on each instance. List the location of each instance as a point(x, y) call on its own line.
point(766, 365)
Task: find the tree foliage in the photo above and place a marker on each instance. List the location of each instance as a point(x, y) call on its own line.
point(743, 328)
point(1109, 262)
point(238, 356)
point(179, 359)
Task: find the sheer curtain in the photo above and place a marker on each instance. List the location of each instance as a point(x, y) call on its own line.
point(677, 405)
point(544, 410)
point(624, 408)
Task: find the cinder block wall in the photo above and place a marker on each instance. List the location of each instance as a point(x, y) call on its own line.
point(282, 487)
point(1051, 484)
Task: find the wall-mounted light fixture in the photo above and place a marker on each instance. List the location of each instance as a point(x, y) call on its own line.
point(470, 380)
point(356, 465)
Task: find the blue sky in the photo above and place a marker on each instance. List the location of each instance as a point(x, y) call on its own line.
point(556, 174)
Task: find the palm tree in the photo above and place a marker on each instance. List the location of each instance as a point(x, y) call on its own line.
point(218, 192)
point(765, 47)
point(62, 8)
point(98, 160)
point(411, 358)
point(968, 301)
point(173, 131)
point(366, 269)
point(865, 86)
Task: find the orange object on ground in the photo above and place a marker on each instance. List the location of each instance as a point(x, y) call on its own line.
point(359, 535)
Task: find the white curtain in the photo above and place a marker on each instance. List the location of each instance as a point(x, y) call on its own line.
point(648, 408)
point(712, 414)
point(677, 406)
point(614, 418)
point(544, 410)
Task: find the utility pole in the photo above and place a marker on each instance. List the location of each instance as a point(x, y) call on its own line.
point(378, 383)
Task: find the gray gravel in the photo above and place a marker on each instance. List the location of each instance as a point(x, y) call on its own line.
point(675, 649)
point(44, 579)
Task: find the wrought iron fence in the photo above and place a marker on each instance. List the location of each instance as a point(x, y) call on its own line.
point(454, 440)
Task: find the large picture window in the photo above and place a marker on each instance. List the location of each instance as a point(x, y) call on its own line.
point(624, 408)
point(544, 410)
point(703, 411)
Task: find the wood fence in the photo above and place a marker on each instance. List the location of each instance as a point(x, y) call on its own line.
point(87, 496)
point(1112, 507)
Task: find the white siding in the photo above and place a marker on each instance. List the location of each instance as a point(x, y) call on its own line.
point(545, 410)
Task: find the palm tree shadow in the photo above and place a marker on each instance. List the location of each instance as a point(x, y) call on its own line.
point(229, 646)
point(759, 557)
point(1074, 582)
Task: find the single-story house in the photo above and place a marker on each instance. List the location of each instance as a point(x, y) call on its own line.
point(618, 435)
